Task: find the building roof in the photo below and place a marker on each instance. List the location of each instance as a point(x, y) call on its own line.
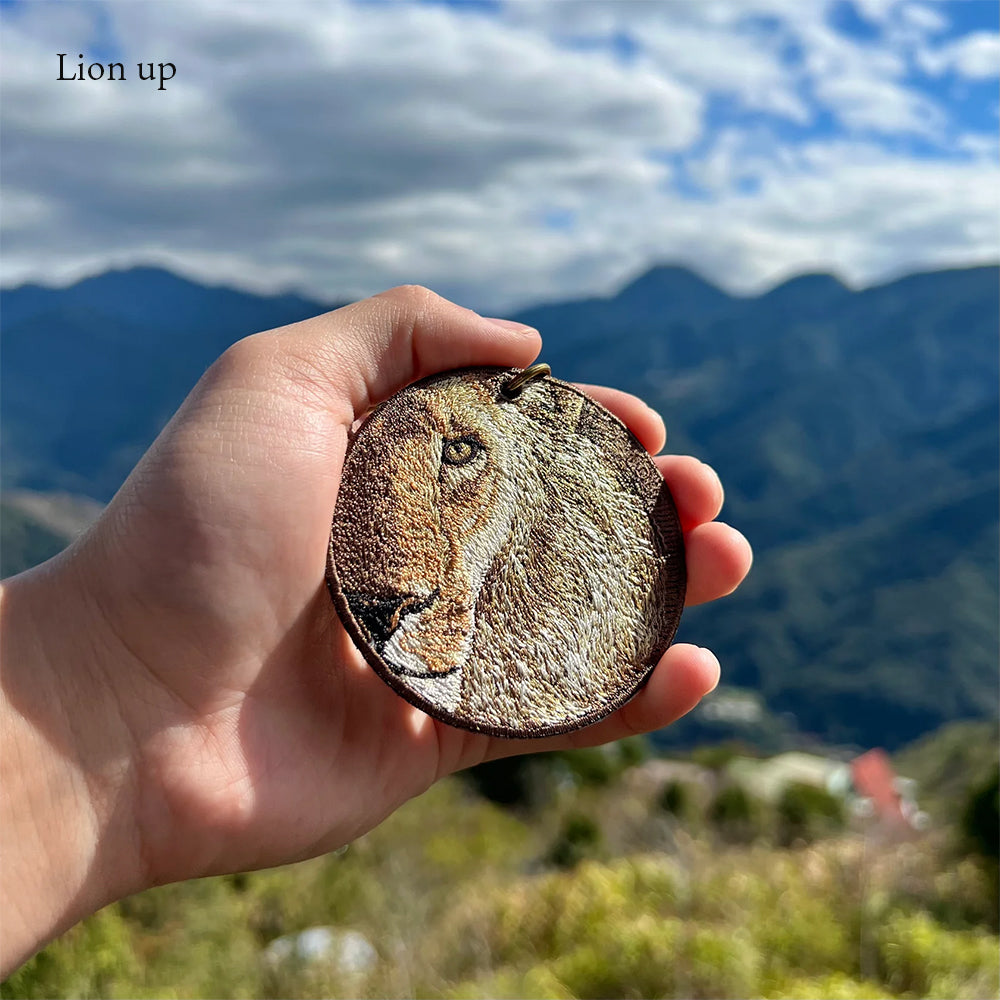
point(874, 779)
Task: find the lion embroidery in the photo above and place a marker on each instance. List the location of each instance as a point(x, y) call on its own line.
point(514, 566)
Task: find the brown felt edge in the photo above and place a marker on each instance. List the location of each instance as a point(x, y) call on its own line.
point(663, 517)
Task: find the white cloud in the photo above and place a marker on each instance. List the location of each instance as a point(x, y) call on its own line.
point(709, 45)
point(877, 11)
point(925, 19)
point(745, 68)
point(864, 102)
point(500, 159)
point(742, 50)
point(975, 56)
point(862, 83)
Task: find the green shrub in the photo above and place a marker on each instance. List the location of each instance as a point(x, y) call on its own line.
point(716, 756)
point(578, 838)
point(593, 767)
point(917, 956)
point(540, 918)
point(93, 959)
point(834, 986)
point(632, 750)
point(806, 813)
point(737, 815)
point(718, 962)
point(635, 955)
point(799, 930)
point(538, 983)
point(676, 799)
point(627, 958)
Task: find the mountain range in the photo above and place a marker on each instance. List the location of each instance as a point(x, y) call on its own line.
point(856, 433)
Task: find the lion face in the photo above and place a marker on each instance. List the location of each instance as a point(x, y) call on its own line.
point(512, 566)
point(437, 476)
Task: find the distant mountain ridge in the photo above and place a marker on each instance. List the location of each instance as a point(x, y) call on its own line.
point(91, 372)
point(137, 293)
point(856, 433)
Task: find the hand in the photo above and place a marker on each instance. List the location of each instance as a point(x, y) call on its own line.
point(180, 695)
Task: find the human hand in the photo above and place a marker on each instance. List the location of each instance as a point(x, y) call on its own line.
point(179, 679)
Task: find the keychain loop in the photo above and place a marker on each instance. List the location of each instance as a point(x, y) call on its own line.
point(515, 386)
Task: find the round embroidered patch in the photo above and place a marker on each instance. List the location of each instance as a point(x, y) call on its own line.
point(504, 552)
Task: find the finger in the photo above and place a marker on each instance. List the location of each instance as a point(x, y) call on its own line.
point(372, 348)
point(718, 558)
point(684, 675)
point(645, 423)
point(695, 487)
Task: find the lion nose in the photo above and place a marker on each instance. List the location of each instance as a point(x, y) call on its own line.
point(380, 615)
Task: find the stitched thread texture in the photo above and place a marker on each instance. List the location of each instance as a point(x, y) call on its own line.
point(514, 567)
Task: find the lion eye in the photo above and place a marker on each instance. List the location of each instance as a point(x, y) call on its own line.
point(460, 451)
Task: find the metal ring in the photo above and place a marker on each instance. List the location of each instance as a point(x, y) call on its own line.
point(515, 385)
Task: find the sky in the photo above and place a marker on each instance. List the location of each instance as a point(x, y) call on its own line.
point(503, 154)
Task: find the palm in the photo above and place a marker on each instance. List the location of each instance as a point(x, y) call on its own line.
point(301, 733)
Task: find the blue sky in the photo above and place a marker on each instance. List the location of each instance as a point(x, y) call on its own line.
point(502, 153)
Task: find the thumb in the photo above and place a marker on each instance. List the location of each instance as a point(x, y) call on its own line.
point(370, 349)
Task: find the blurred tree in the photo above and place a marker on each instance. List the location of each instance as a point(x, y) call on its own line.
point(981, 832)
point(981, 818)
point(509, 781)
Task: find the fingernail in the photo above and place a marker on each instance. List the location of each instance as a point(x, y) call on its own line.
point(712, 660)
point(509, 324)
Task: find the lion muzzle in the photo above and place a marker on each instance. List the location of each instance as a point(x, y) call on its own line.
point(416, 636)
point(380, 614)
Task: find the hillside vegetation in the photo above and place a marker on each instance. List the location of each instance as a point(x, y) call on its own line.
point(606, 891)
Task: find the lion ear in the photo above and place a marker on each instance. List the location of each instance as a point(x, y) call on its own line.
point(550, 403)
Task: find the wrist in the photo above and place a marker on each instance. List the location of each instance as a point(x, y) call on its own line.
point(66, 765)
